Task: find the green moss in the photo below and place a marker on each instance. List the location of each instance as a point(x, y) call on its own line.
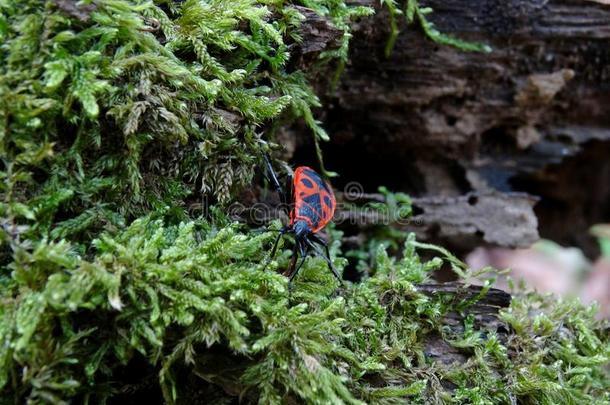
point(197, 298)
point(117, 108)
point(414, 12)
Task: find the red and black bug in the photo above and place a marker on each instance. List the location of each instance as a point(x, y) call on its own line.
point(312, 208)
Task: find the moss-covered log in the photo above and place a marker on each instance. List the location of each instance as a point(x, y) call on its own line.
point(190, 313)
point(530, 116)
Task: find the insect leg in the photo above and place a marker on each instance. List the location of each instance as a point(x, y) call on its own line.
point(326, 256)
point(296, 271)
point(318, 239)
point(275, 245)
point(277, 241)
point(293, 259)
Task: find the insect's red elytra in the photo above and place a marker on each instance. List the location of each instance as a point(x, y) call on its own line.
point(314, 200)
point(313, 208)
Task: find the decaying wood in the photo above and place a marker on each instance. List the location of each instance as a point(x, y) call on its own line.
point(531, 116)
point(475, 219)
point(317, 33)
point(484, 310)
point(504, 219)
point(489, 302)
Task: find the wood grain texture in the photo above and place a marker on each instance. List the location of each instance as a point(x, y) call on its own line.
point(438, 122)
point(475, 219)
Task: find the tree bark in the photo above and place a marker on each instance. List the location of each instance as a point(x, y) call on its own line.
point(485, 312)
point(531, 116)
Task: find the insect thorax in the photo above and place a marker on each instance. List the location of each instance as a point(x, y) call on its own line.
point(301, 228)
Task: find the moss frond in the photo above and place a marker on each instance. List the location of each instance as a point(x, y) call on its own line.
point(414, 12)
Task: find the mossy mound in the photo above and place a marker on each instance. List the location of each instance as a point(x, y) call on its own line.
point(116, 117)
point(112, 109)
point(191, 311)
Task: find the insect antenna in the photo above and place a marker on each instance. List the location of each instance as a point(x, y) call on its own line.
point(273, 179)
point(258, 231)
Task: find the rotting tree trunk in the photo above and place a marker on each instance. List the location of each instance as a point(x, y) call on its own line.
point(532, 116)
point(485, 312)
point(502, 219)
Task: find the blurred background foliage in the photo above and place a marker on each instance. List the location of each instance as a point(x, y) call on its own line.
point(551, 268)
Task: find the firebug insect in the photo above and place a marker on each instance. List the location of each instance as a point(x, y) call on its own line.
point(313, 206)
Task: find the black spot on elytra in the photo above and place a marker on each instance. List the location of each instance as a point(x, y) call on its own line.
point(312, 208)
point(307, 183)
